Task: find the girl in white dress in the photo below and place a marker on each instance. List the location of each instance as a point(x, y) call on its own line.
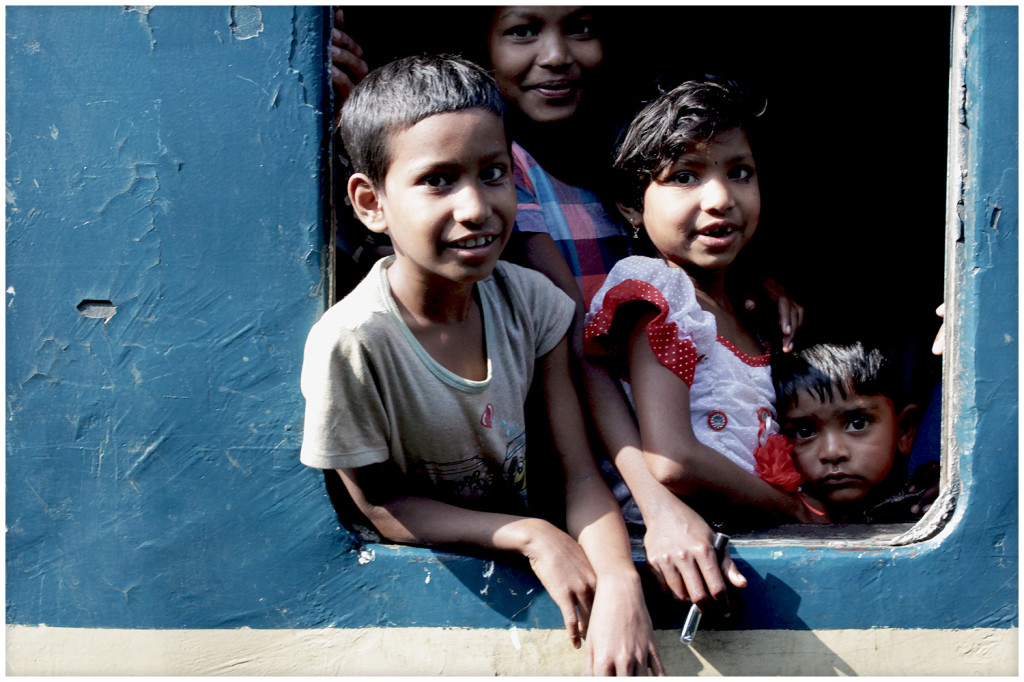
point(699, 379)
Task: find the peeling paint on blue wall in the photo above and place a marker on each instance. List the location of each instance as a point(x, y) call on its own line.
point(165, 225)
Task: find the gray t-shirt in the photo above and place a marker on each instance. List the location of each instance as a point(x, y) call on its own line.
point(373, 392)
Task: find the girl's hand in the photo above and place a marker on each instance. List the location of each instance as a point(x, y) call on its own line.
point(621, 638)
point(940, 337)
point(791, 317)
point(681, 555)
point(561, 566)
point(347, 65)
point(791, 313)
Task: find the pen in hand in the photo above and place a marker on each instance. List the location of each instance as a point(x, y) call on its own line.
point(693, 617)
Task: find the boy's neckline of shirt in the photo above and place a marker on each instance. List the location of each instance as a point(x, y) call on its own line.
point(437, 369)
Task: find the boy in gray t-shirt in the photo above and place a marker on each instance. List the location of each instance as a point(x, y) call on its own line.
point(415, 383)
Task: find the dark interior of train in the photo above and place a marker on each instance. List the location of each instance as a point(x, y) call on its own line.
point(854, 174)
point(853, 165)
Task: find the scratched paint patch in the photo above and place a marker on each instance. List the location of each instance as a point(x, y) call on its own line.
point(246, 22)
point(366, 556)
point(103, 310)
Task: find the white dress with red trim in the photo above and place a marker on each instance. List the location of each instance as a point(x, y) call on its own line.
point(731, 394)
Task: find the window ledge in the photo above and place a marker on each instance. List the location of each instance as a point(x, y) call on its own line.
point(840, 536)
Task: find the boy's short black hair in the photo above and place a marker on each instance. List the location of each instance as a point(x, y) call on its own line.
point(692, 112)
point(402, 93)
point(846, 368)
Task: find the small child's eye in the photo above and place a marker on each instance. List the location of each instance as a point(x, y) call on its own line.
point(803, 432)
point(798, 432)
point(857, 424)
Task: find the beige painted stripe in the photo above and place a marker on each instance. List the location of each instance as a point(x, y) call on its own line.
point(438, 651)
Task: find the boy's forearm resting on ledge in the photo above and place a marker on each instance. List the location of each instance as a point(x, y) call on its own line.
point(620, 632)
point(590, 506)
point(556, 559)
point(414, 519)
point(606, 606)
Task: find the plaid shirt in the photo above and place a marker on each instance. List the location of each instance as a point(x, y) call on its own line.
point(590, 239)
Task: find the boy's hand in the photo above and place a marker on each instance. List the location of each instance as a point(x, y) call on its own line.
point(561, 566)
point(621, 638)
point(791, 313)
point(347, 65)
point(681, 555)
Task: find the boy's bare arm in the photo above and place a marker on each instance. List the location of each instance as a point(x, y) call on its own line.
point(538, 251)
point(674, 455)
point(679, 543)
point(620, 635)
point(556, 559)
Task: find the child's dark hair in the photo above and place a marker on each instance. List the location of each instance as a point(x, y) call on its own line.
point(691, 113)
point(820, 369)
point(402, 93)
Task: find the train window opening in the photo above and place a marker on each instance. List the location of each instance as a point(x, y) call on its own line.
point(854, 186)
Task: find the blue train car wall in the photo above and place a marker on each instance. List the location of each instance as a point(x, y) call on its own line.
point(169, 245)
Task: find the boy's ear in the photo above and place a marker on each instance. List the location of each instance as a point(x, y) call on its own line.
point(366, 202)
point(906, 424)
point(633, 216)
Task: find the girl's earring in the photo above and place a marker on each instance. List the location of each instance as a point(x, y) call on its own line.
point(636, 229)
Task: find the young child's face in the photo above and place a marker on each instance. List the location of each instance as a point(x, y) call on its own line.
point(542, 57)
point(449, 201)
point(703, 209)
point(844, 447)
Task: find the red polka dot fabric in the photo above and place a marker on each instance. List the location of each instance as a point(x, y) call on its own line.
point(678, 354)
point(731, 393)
point(752, 360)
